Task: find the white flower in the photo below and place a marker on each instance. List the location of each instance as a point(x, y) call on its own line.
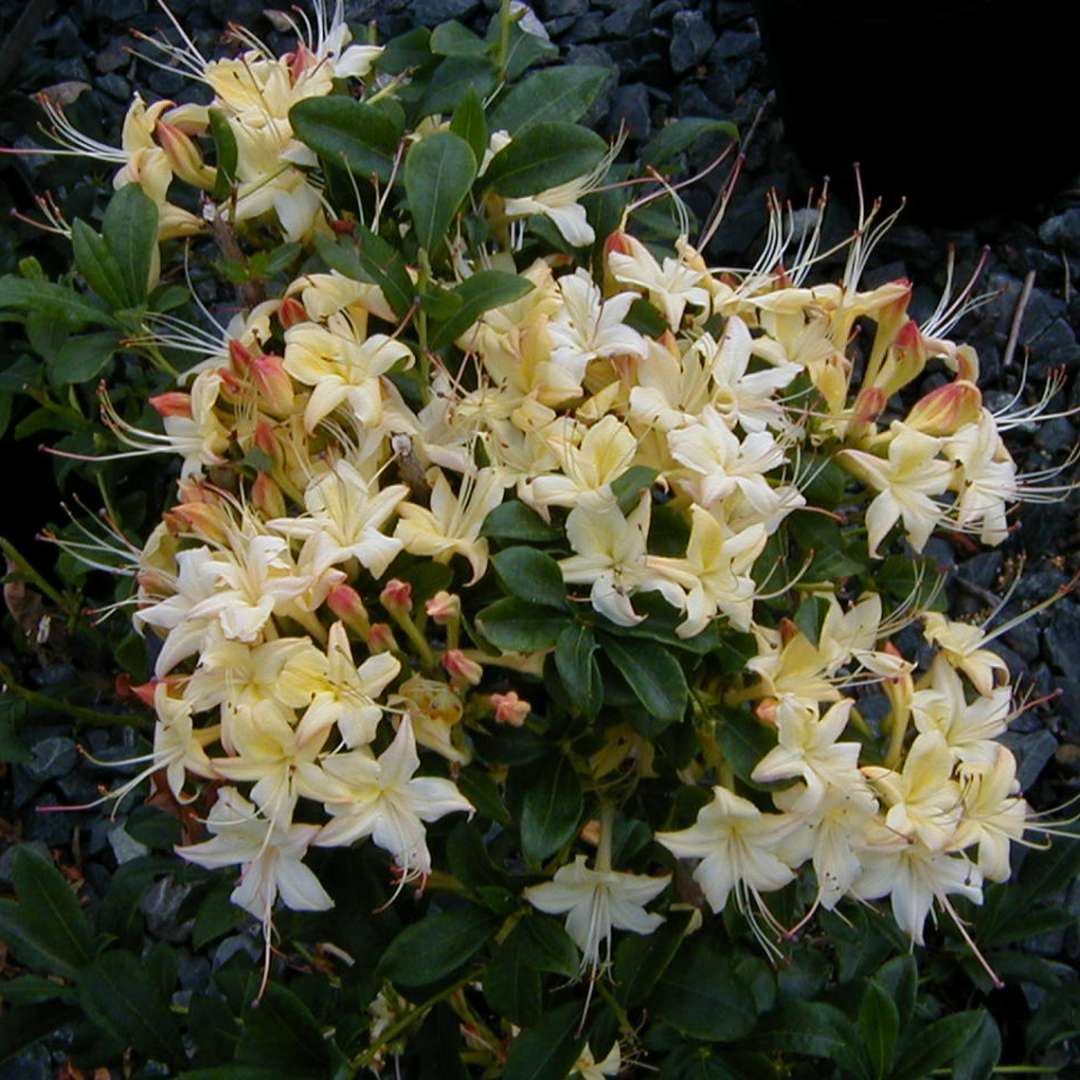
point(671, 285)
point(598, 901)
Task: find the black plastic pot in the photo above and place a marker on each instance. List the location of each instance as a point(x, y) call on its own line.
point(964, 106)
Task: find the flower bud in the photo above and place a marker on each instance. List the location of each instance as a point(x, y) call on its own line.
point(909, 355)
point(381, 638)
point(344, 601)
point(232, 389)
point(240, 355)
point(204, 520)
point(443, 608)
point(461, 668)
point(510, 709)
point(273, 383)
point(291, 312)
point(947, 409)
point(267, 497)
point(173, 403)
point(396, 597)
point(766, 710)
point(184, 156)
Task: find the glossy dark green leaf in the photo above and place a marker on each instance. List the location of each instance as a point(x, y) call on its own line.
point(50, 916)
point(470, 123)
point(97, 264)
point(130, 229)
point(899, 978)
point(628, 487)
point(12, 747)
point(530, 575)
point(453, 79)
point(371, 259)
point(34, 989)
point(515, 626)
point(547, 155)
point(439, 170)
point(451, 38)
point(809, 617)
point(217, 916)
point(652, 673)
point(54, 301)
point(513, 988)
point(744, 742)
point(939, 1043)
point(646, 319)
point(552, 809)
point(879, 1024)
point(282, 1033)
point(817, 1030)
point(672, 139)
point(549, 1050)
point(430, 949)
point(482, 291)
point(513, 520)
point(226, 154)
point(561, 93)
point(981, 1054)
point(409, 50)
point(84, 356)
point(118, 995)
point(347, 132)
point(546, 946)
point(642, 959)
point(575, 661)
point(701, 995)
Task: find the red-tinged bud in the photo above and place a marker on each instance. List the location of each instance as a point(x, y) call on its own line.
point(196, 491)
point(765, 710)
point(267, 497)
point(396, 597)
point(145, 692)
point(240, 355)
point(231, 386)
point(343, 227)
point(788, 630)
point(300, 61)
point(273, 382)
point(443, 608)
point(173, 403)
point(122, 687)
point(461, 668)
point(669, 341)
point(590, 832)
point(291, 312)
point(510, 709)
point(344, 601)
point(184, 156)
point(265, 439)
point(947, 409)
point(381, 638)
point(618, 241)
point(967, 363)
point(869, 405)
point(204, 520)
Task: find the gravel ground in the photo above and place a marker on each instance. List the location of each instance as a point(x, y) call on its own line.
point(668, 59)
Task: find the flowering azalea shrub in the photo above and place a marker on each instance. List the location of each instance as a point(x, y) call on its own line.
point(543, 600)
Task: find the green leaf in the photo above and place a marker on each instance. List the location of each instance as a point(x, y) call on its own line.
point(482, 291)
point(282, 1033)
point(810, 616)
point(217, 916)
point(49, 913)
point(641, 960)
point(939, 1042)
point(54, 301)
point(409, 50)
point(549, 1050)
point(674, 138)
point(470, 124)
point(627, 488)
point(12, 749)
point(646, 319)
point(701, 995)
point(439, 171)
point(653, 674)
point(346, 132)
point(981, 1054)
point(744, 742)
point(1047, 872)
point(34, 989)
point(117, 994)
point(451, 38)
point(96, 262)
point(879, 1023)
point(547, 155)
point(513, 520)
point(562, 93)
point(25, 1025)
point(452, 80)
point(430, 949)
point(514, 626)
point(546, 946)
point(817, 1030)
point(130, 229)
point(512, 988)
point(84, 356)
point(551, 809)
point(530, 575)
point(373, 260)
point(899, 978)
point(226, 154)
point(578, 669)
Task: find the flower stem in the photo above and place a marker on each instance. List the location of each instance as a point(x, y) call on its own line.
point(607, 831)
point(82, 716)
point(23, 568)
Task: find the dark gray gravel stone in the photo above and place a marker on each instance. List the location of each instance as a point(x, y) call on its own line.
point(629, 19)
point(1032, 754)
point(1063, 640)
point(692, 36)
point(630, 106)
point(116, 86)
point(554, 9)
point(432, 12)
point(34, 1063)
point(1062, 231)
point(52, 758)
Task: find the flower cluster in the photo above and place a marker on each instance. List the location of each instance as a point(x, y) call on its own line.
point(455, 485)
